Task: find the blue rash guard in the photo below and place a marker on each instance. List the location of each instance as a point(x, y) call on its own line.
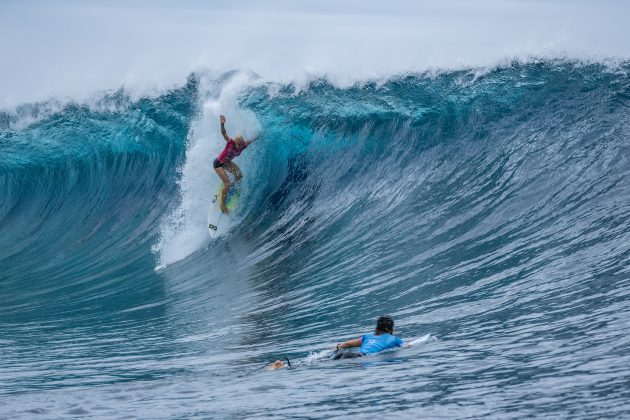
point(374, 343)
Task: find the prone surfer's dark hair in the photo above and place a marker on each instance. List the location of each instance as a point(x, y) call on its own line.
point(385, 324)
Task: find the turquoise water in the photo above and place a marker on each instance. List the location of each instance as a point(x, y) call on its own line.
point(488, 213)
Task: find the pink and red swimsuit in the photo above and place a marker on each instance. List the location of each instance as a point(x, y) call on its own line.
point(230, 152)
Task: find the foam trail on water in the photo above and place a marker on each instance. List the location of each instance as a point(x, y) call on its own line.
point(316, 356)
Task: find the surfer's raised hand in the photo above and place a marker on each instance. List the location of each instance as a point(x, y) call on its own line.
point(223, 130)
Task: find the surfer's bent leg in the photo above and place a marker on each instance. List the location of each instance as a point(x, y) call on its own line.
point(347, 355)
point(218, 167)
point(231, 166)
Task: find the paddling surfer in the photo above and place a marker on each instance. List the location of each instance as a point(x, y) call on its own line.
point(382, 339)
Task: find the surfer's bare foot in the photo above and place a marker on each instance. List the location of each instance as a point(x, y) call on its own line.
point(277, 365)
point(224, 209)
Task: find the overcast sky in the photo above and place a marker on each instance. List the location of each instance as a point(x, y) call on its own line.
point(75, 47)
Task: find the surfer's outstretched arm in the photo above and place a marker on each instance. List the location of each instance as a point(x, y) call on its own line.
point(350, 343)
point(223, 130)
point(253, 139)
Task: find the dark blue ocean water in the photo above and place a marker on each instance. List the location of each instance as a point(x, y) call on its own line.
point(488, 213)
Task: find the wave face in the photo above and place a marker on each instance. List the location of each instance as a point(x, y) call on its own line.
point(490, 211)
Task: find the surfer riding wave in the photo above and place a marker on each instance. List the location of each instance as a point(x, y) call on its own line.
point(224, 164)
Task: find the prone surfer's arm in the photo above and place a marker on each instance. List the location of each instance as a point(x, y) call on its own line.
point(223, 130)
point(350, 343)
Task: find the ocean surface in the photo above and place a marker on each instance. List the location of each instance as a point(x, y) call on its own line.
point(486, 211)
